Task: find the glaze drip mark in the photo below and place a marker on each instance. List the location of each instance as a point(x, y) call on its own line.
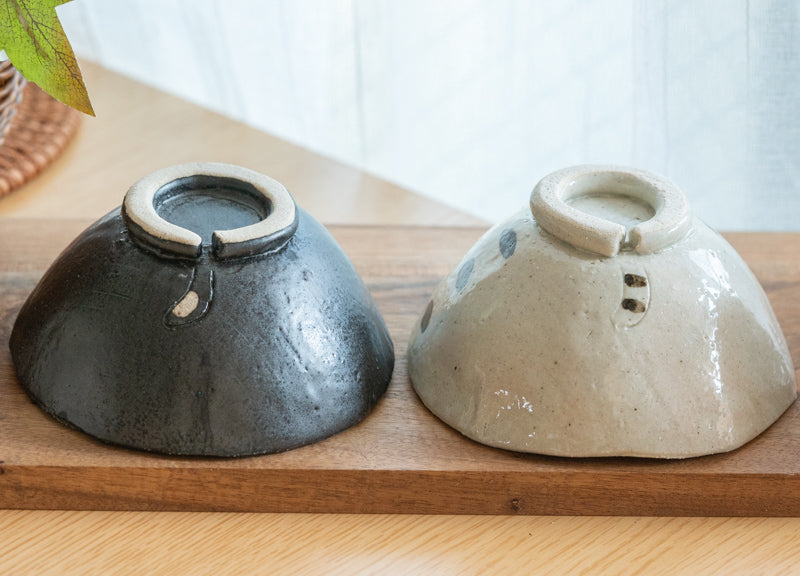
point(464, 274)
point(635, 281)
point(426, 317)
point(508, 243)
point(634, 305)
point(193, 305)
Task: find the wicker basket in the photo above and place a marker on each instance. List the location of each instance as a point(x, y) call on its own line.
point(11, 85)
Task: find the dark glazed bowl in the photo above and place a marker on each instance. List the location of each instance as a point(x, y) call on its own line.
point(209, 316)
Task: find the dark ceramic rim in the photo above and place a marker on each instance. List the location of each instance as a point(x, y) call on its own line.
point(146, 225)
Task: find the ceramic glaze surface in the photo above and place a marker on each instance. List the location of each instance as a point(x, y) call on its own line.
point(135, 343)
point(668, 348)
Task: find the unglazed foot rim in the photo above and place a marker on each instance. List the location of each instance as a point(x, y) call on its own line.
point(588, 232)
point(149, 227)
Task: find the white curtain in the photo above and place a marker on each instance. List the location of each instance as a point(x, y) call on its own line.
point(472, 101)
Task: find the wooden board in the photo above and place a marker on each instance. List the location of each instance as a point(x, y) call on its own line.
point(401, 459)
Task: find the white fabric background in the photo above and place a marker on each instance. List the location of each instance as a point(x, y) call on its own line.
point(473, 101)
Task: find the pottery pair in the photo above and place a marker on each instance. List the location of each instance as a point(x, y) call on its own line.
point(212, 316)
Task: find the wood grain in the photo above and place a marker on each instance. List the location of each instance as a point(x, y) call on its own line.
point(57, 542)
point(401, 459)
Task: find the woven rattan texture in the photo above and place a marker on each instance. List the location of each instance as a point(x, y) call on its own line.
point(39, 132)
point(12, 84)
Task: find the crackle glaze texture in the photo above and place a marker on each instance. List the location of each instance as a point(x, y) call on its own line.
point(534, 345)
point(203, 356)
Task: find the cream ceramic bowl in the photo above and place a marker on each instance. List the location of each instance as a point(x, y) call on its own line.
point(605, 320)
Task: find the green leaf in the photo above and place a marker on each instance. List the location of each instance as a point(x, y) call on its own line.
point(34, 41)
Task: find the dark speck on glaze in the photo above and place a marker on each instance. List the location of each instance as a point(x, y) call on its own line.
point(634, 306)
point(635, 281)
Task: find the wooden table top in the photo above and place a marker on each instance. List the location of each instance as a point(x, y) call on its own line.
point(139, 129)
